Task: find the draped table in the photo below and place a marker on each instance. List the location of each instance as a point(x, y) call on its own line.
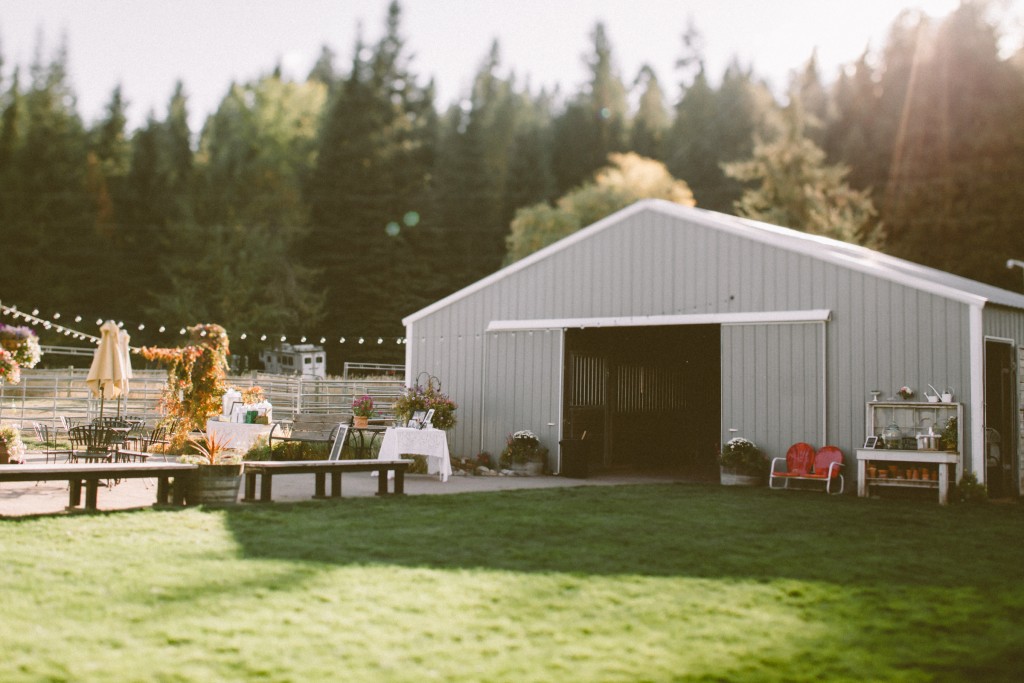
point(238, 435)
point(433, 443)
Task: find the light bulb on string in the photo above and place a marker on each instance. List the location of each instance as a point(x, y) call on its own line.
point(361, 340)
point(242, 336)
point(99, 321)
point(263, 337)
point(302, 340)
point(284, 338)
point(181, 331)
point(78, 318)
point(323, 340)
point(56, 316)
point(380, 340)
point(162, 328)
point(341, 341)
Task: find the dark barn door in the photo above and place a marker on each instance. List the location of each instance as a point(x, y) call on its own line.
point(649, 396)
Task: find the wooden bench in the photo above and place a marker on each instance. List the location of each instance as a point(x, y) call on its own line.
point(321, 468)
point(90, 475)
point(329, 428)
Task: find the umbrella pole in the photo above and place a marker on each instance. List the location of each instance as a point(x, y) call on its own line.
point(101, 402)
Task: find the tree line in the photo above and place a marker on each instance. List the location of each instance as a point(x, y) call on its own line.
point(337, 204)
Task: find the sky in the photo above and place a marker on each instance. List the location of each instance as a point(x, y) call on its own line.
point(148, 45)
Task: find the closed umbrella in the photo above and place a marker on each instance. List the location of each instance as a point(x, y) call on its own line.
point(126, 359)
point(107, 377)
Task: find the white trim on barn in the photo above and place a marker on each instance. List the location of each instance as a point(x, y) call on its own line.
point(754, 317)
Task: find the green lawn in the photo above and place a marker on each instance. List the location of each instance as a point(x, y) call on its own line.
point(639, 583)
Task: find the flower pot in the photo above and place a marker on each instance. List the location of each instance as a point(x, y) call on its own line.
point(360, 421)
point(534, 468)
point(216, 485)
point(730, 477)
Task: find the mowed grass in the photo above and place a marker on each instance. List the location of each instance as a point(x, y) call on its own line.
point(637, 583)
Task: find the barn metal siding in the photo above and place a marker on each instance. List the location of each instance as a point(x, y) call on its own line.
point(648, 262)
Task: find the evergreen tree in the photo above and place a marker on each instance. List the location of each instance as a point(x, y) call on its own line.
point(368, 190)
point(594, 123)
point(796, 189)
point(651, 123)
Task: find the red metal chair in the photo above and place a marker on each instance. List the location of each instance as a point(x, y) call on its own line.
point(827, 465)
point(799, 462)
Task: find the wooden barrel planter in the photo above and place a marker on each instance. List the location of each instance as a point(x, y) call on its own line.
point(216, 485)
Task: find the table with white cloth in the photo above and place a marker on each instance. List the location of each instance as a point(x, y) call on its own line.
point(433, 443)
point(237, 435)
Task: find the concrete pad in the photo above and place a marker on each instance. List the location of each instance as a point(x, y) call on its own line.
point(18, 499)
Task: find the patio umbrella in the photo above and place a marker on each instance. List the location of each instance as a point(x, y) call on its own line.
point(126, 359)
point(107, 377)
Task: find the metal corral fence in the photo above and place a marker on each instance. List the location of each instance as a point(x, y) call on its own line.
point(45, 395)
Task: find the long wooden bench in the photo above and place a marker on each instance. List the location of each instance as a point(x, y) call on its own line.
point(321, 468)
point(327, 428)
point(90, 475)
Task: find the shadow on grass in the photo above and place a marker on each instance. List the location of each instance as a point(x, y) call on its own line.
point(692, 530)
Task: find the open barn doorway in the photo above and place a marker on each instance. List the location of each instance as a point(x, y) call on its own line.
point(649, 397)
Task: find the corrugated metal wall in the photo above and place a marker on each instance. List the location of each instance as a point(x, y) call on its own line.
point(772, 384)
point(647, 262)
point(522, 388)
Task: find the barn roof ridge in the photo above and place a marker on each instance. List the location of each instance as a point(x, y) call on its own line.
point(843, 254)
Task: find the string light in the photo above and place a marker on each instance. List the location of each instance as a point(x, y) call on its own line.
point(51, 324)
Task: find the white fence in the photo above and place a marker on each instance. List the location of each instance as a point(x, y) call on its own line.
point(45, 395)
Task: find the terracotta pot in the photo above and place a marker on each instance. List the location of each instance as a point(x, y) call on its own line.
point(360, 421)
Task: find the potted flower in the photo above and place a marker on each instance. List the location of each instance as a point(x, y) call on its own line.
point(419, 398)
point(742, 463)
point(22, 343)
point(362, 411)
point(906, 393)
point(12, 449)
point(220, 471)
point(10, 371)
point(523, 453)
point(950, 438)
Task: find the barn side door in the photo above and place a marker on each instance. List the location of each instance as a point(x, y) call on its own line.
point(586, 405)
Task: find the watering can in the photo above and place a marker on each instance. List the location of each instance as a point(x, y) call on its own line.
point(932, 398)
point(947, 395)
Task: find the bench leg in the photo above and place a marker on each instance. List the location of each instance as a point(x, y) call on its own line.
point(382, 481)
point(319, 488)
point(91, 488)
point(266, 482)
point(180, 487)
point(162, 491)
point(335, 484)
point(74, 493)
point(400, 481)
point(250, 487)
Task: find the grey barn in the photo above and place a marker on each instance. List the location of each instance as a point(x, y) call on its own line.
point(662, 330)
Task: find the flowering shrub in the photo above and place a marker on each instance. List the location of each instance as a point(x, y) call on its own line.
point(418, 397)
point(10, 439)
point(363, 406)
point(10, 371)
point(196, 378)
point(253, 395)
point(22, 343)
point(522, 447)
point(743, 457)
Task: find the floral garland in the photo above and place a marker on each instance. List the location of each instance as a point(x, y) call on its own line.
point(253, 395)
point(196, 377)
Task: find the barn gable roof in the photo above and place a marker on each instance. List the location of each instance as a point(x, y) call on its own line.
point(826, 249)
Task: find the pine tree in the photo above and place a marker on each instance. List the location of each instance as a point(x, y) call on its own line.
point(651, 123)
point(797, 189)
point(368, 191)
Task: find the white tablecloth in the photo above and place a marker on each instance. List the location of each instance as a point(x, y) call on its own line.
point(432, 443)
point(239, 436)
